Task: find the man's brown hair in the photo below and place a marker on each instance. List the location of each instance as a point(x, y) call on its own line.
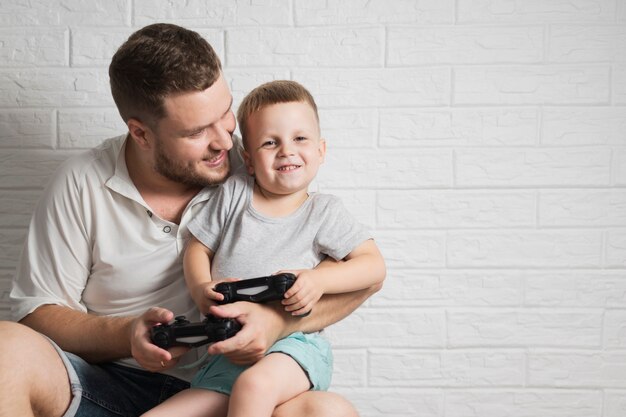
point(156, 61)
point(273, 92)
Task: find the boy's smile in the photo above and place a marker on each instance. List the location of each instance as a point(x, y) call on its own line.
point(289, 167)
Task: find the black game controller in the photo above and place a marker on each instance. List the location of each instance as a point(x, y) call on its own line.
point(256, 290)
point(181, 332)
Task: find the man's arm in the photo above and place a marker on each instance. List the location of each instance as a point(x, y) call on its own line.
point(101, 339)
point(96, 339)
point(263, 324)
point(330, 309)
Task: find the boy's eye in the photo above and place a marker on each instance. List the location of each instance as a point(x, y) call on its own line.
point(268, 143)
point(300, 139)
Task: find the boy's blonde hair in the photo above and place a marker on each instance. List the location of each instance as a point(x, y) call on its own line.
point(273, 92)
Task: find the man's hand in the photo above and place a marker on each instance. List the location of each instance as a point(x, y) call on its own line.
point(147, 354)
point(304, 293)
point(261, 324)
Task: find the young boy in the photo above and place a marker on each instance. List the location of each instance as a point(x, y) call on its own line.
point(268, 222)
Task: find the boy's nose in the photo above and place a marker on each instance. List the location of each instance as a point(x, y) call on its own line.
point(285, 149)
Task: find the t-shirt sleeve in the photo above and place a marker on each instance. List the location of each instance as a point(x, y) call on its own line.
point(208, 224)
point(340, 233)
point(55, 261)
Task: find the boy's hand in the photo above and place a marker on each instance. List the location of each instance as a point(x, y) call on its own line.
point(204, 296)
point(304, 293)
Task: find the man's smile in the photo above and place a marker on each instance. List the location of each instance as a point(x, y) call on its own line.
point(216, 160)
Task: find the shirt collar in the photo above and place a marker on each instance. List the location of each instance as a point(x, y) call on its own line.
point(121, 183)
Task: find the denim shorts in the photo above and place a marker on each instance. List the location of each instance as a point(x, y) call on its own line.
point(111, 390)
point(311, 351)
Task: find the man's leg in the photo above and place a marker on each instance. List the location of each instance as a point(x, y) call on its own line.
point(32, 375)
point(316, 404)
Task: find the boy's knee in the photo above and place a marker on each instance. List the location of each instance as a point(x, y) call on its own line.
point(252, 382)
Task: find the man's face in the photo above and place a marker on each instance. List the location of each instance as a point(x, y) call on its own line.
point(192, 142)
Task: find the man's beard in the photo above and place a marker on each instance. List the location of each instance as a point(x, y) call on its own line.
point(185, 173)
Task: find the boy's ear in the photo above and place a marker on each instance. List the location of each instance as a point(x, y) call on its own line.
point(140, 133)
point(247, 160)
point(322, 148)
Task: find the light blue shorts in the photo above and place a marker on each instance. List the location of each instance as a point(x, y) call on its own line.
point(311, 351)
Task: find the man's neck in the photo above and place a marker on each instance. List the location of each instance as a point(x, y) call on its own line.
point(167, 199)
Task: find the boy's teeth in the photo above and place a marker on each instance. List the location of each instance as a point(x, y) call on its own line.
point(288, 168)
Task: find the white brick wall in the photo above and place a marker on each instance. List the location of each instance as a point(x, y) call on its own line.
point(484, 142)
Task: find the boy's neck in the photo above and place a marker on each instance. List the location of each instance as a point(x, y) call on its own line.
point(277, 205)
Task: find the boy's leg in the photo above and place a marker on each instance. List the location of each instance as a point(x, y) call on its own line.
point(33, 378)
point(192, 402)
point(271, 381)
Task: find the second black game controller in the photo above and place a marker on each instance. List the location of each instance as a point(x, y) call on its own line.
point(256, 290)
point(181, 332)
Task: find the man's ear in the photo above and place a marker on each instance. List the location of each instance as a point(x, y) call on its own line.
point(140, 133)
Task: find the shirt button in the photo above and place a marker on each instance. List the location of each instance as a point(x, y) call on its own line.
point(167, 229)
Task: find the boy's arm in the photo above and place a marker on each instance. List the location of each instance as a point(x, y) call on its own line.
point(331, 308)
point(362, 268)
point(197, 269)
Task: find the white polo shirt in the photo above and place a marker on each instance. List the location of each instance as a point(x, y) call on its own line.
point(95, 246)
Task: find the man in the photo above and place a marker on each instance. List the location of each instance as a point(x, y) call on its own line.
point(105, 243)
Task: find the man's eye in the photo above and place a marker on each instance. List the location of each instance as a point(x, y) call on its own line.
point(196, 134)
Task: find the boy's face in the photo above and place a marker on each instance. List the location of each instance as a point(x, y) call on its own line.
point(283, 147)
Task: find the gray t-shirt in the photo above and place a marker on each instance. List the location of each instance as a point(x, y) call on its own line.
point(248, 244)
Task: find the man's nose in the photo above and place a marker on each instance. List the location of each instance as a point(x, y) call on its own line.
point(224, 134)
